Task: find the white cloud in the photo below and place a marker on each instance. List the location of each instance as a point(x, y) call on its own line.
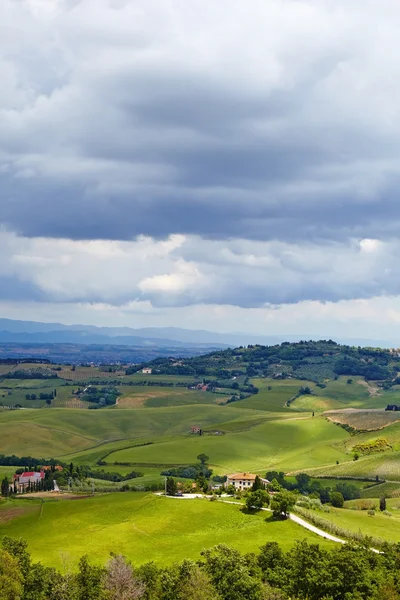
point(157, 154)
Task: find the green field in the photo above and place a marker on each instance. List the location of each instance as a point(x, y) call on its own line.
point(283, 444)
point(143, 527)
point(274, 399)
point(7, 471)
point(384, 526)
point(385, 466)
point(258, 433)
point(158, 397)
point(387, 489)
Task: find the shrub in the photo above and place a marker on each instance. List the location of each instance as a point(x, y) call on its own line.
point(337, 499)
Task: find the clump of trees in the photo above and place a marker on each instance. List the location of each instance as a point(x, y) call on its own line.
point(195, 471)
point(307, 571)
point(100, 397)
point(305, 485)
point(35, 373)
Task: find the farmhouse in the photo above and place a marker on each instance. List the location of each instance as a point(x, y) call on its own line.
point(243, 481)
point(147, 371)
point(50, 468)
point(29, 477)
point(195, 429)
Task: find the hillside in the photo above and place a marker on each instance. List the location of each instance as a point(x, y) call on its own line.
point(314, 360)
point(282, 407)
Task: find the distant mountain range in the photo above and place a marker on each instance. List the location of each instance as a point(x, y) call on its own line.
point(33, 332)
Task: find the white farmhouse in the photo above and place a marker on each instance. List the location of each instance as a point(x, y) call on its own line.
point(243, 481)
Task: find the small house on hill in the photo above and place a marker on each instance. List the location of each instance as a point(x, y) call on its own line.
point(50, 468)
point(147, 371)
point(29, 477)
point(243, 481)
point(195, 429)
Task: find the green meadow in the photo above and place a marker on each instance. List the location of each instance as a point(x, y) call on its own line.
point(143, 527)
point(283, 444)
point(379, 525)
point(259, 433)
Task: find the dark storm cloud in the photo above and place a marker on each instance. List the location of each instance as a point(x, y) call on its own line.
point(132, 143)
point(125, 119)
point(12, 288)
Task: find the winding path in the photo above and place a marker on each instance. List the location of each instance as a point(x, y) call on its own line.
point(292, 517)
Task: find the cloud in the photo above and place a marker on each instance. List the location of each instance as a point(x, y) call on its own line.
point(188, 270)
point(129, 118)
point(175, 156)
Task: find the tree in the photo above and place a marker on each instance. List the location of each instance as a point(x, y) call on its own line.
point(89, 580)
point(18, 550)
point(171, 487)
point(231, 574)
point(337, 499)
point(5, 487)
point(257, 485)
point(11, 579)
point(186, 581)
point(303, 482)
point(256, 500)
point(382, 503)
point(39, 583)
point(203, 458)
point(48, 401)
point(120, 582)
point(274, 486)
point(281, 504)
point(270, 556)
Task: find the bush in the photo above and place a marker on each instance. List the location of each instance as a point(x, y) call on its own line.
point(337, 499)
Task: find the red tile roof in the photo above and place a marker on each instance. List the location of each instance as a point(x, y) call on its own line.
point(237, 476)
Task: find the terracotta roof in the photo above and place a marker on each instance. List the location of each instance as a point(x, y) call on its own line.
point(31, 474)
point(236, 476)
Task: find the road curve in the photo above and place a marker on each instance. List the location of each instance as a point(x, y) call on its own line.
point(292, 517)
point(314, 529)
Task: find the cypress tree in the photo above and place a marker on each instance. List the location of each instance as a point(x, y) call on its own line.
point(5, 487)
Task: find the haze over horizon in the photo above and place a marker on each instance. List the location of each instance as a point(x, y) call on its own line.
point(205, 166)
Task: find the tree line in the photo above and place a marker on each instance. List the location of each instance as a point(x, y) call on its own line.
point(306, 572)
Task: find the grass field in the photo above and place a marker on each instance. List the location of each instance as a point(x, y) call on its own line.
point(280, 444)
point(364, 420)
point(156, 397)
point(57, 432)
point(260, 433)
point(380, 525)
point(385, 465)
point(138, 377)
point(82, 373)
point(13, 391)
point(274, 399)
point(7, 471)
point(143, 527)
point(387, 489)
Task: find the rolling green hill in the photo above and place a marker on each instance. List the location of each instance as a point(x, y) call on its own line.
point(143, 527)
point(255, 410)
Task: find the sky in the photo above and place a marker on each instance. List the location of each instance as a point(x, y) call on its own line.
point(229, 165)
